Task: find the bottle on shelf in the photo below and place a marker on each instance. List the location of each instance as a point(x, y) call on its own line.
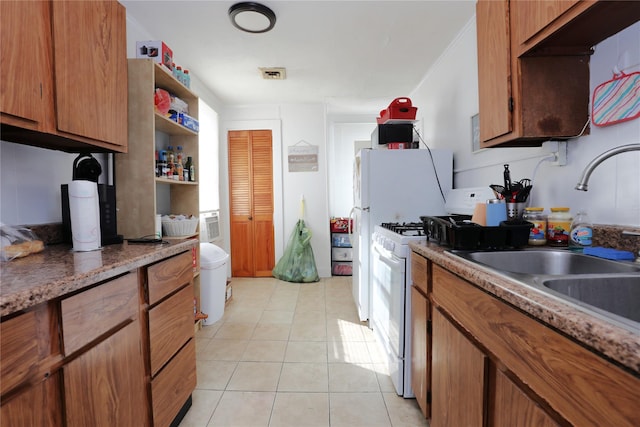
point(581, 232)
point(179, 74)
point(187, 169)
point(192, 169)
point(179, 163)
point(187, 78)
point(170, 161)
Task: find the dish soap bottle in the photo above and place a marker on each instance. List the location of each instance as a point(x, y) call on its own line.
point(581, 232)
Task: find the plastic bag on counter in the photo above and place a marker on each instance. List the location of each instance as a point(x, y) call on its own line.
point(18, 242)
point(297, 264)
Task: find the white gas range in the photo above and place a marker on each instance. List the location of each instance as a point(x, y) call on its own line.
point(391, 283)
point(391, 297)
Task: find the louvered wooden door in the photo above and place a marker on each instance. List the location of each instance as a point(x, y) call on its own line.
point(251, 203)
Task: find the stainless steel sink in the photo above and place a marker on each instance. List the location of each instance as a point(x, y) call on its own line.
point(599, 286)
point(546, 262)
point(615, 294)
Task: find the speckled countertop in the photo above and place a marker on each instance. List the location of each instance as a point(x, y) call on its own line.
point(617, 342)
point(57, 271)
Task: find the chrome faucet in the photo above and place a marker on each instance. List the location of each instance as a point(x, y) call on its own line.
point(584, 179)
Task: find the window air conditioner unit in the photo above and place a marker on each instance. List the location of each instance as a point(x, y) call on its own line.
point(210, 226)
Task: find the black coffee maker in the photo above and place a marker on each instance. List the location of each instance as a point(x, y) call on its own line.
point(87, 168)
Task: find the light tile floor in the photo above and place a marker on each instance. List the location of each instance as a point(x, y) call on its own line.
point(290, 354)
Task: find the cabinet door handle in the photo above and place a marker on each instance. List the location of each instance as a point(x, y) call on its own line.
point(250, 218)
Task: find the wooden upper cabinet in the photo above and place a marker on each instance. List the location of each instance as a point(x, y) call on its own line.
point(24, 95)
point(90, 44)
point(494, 69)
point(533, 66)
point(533, 16)
point(64, 74)
point(524, 101)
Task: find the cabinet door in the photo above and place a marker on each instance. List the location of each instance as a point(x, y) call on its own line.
point(91, 69)
point(530, 17)
point(459, 374)
point(494, 69)
point(39, 405)
point(105, 386)
point(25, 63)
point(509, 406)
point(420, 342)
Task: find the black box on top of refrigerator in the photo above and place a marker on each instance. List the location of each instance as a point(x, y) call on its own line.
point(398, 132)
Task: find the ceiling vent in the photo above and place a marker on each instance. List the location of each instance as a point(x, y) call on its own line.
point(273, 73)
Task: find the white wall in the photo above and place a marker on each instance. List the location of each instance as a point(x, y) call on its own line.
point(448, 97)
point(30, 180)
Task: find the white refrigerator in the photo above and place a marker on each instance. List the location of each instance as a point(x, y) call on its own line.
point(392, 186)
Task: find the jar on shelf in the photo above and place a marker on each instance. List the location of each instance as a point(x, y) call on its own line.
point(559, 227)
point(537, 234)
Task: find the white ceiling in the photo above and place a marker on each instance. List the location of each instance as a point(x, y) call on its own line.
point(354, 56)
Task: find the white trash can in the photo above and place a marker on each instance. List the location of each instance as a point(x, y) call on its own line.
point(213, 281)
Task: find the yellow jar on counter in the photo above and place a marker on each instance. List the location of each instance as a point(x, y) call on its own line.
point(558, 227)
point(537, 234)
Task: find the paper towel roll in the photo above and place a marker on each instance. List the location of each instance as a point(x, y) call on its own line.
point(85, 215)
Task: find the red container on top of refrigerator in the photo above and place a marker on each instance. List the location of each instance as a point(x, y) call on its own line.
point(398, 109)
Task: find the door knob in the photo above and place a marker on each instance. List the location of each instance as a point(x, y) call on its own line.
point(250, 218)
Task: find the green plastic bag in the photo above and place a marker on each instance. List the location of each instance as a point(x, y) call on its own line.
point(297, 264)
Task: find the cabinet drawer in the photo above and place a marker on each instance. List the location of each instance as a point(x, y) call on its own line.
point(340, 240)
point(26, 341)
point(173, 386)
point(341, 254)
point(170, 326)
point(341, 268)
point(168, 275)
point(89, 314)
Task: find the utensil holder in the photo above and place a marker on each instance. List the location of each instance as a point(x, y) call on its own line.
point(515, 211)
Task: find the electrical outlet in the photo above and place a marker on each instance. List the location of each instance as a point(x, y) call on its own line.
point(557, 148)
point(561, 154)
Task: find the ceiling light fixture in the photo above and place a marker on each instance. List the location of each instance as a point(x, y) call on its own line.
point(252, 17)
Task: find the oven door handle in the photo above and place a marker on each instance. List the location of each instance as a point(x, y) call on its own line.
point(391, 260)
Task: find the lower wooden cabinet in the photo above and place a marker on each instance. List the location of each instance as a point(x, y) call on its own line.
point(171, 342)
point(105, 385)
point(173, 386)
point(458, 379)
point(86, 359)
point(522, 410)
point(487, 354)
point(39, 405)
point(420, 350)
